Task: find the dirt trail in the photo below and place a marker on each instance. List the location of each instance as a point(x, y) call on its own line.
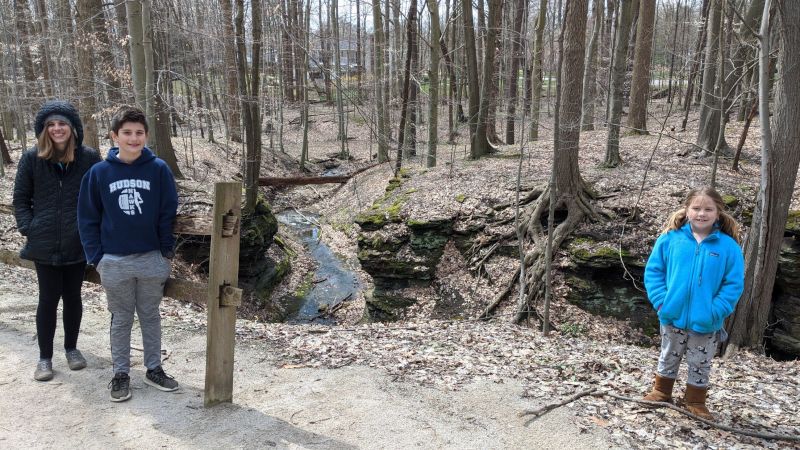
point(350, 407)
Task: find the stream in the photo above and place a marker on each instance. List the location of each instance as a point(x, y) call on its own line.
point(333, 281)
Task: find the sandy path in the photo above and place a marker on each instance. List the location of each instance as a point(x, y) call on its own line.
point(350, 407)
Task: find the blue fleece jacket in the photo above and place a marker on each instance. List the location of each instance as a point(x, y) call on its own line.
point(694, 286)
point(127, 208)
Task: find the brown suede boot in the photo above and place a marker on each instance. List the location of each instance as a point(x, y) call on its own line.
point(662, 390)
point(695, 401)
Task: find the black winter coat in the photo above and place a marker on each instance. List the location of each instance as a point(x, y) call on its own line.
point(45, 206)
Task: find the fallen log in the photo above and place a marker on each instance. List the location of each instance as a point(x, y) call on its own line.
point(191, 225)
point(188, 291)
point(302, 180)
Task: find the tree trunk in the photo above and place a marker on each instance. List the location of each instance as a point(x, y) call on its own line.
point(410, 23)
point(232, 123)
point(590, 71)
point(433, 103)
point(337, 67)
point(701, 39)
point(472, 70)
point(248, 93)
point(674, 51)
point(536, 71)
point(380, 83)
point(568, 178)
point(513, 74)
point(711, 105)
point(618, 70)
point(87, 96)
point(640, 82)
point(779, 164)
point(481, 145)
point(133, 17)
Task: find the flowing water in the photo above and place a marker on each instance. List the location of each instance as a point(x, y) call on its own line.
point(333, 281)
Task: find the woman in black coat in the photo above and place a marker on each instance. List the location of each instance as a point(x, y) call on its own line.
point(45, 207)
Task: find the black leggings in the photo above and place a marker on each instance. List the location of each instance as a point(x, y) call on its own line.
point(56, 282)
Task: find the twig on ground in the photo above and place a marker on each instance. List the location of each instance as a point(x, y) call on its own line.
point(536, 413)
point(751, 433)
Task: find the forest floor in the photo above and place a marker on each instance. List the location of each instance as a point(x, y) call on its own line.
point(428, 380)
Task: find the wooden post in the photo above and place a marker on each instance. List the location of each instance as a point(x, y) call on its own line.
point(223, 294)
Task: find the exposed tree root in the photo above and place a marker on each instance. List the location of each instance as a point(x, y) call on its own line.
point(578, 207)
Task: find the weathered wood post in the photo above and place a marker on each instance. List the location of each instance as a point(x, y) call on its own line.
point(223, 294)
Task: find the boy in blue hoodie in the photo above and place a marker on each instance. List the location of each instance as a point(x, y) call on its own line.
point(126, 210)
point(694, 278)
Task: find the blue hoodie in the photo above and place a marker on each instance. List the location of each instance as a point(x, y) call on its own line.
point(694, 286)
point(127, 208)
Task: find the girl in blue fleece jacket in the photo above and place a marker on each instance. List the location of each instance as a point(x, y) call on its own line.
point(694, 277)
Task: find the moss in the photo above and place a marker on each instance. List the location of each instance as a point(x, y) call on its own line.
point(305, 286)
point(405, 173)
point(460, 198)
point(793, 221)
point(394, 183)
point(730, 201)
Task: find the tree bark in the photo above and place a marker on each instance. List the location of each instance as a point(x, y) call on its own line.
point(513, 74)
point(88, 105)
point(481, 145)
point(536, 71)
point(620, 65)
point(568, 178)
point(433, 103)
point(472, 70)
point(231, 99)
point(590, 71)
point(380, 83)
point(711, 104)
point(640, 82)
point(779, 163)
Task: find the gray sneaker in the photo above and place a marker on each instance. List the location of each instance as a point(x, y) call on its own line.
point(44, 370)
point(160, 380)
point(75, 359)
point(120, 387)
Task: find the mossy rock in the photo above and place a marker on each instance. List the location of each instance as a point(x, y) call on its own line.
point(441, 225)
point(381, 242)
point(429, 243)
point(590, 253)
point(382, 212)
point(257, 232)
point(793, 223)
point(730, 201)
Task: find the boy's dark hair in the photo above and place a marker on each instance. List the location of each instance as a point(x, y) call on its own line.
point(128, 114)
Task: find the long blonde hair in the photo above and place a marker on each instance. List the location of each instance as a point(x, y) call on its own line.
point(46, 149)
point(727, 224)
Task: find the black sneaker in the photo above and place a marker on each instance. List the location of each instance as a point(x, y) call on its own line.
point(160, 380)
point(120, 387)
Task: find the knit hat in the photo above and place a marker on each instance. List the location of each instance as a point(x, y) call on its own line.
point(59, 110)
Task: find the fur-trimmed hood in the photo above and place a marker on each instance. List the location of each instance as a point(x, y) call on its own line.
point(62, 108)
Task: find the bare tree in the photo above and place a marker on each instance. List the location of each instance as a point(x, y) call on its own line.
point(640, 82)
point(620, 64)
point(590, 71)
point(780, 158)
point(536, 71)
point(433, 103)
point(380, 83)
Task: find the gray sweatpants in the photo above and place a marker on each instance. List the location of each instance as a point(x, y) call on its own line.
point(698, 347)
point(134, 283)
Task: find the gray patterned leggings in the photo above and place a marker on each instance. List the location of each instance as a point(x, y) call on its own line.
point(698, 347)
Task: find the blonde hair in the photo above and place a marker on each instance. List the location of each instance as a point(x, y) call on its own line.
point(46, 149)
point(727, 224)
